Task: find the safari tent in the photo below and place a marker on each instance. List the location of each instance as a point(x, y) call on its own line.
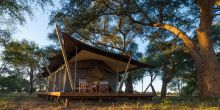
point(86, 63)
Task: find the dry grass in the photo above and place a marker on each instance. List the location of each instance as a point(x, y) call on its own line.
point(27, 102)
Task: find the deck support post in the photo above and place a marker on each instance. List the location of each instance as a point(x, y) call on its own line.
point(139, 99)
point(53, 98)
point(47, 98)
point(86, 99)
point(100, 100)
point(58, 99)
point(66, 102)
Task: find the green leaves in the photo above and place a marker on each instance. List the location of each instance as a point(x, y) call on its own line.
point(23, 58)
point(15, 12)
point(21, 53)
point(13, 84)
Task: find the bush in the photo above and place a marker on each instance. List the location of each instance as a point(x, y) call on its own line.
point(13, 84)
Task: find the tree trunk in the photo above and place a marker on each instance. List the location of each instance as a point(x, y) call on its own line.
point(179, 86)
point(166, 79)
point(31, 89)
point(164, 89)
point(206, 61)
point(209, 73)
point(151, 85)
point(153, 90)
point(129, 84)
point(152, 79)
point(217, 3)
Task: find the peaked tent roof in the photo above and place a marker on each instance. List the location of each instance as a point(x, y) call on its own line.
point(70, 45)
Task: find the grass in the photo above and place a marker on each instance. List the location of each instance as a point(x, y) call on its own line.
point(14, 101)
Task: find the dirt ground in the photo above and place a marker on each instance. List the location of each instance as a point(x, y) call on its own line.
point(32, 102)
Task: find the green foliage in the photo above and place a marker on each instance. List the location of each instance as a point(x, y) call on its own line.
point(172, 60)
point(14, 12)
point(190, 89)
point(22, 53)
point(166, 101)
point(25, 60)
point(216, 37)
point(13, 84)
point(85, 15)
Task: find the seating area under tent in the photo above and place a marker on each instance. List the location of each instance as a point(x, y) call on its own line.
point(90, 73)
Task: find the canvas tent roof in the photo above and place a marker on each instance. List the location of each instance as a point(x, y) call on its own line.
point(84, 51)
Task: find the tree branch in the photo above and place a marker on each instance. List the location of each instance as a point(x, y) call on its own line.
point(178, 33)
point(217, 2)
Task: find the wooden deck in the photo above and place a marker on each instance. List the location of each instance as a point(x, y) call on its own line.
point(73, 95)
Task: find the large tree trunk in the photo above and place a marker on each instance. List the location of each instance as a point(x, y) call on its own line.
point(129, 84)
point(163, 89)
point(205, 60)
point(167, 77)
point(209, 71)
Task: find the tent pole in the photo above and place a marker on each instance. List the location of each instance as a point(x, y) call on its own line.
point(65, 57)
point(47, 89)
point(75, 71)
point(64, 80)
point(44, 80)
point(48, 70)
point(124, 77)
point(117, 79)
point(54, 83)
point(59, 80)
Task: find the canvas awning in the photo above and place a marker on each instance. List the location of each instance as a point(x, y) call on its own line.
point(84, 51)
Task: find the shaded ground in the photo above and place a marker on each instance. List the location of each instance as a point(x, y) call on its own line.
point(27, 102)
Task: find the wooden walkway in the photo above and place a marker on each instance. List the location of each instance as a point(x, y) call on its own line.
point(73, 95)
